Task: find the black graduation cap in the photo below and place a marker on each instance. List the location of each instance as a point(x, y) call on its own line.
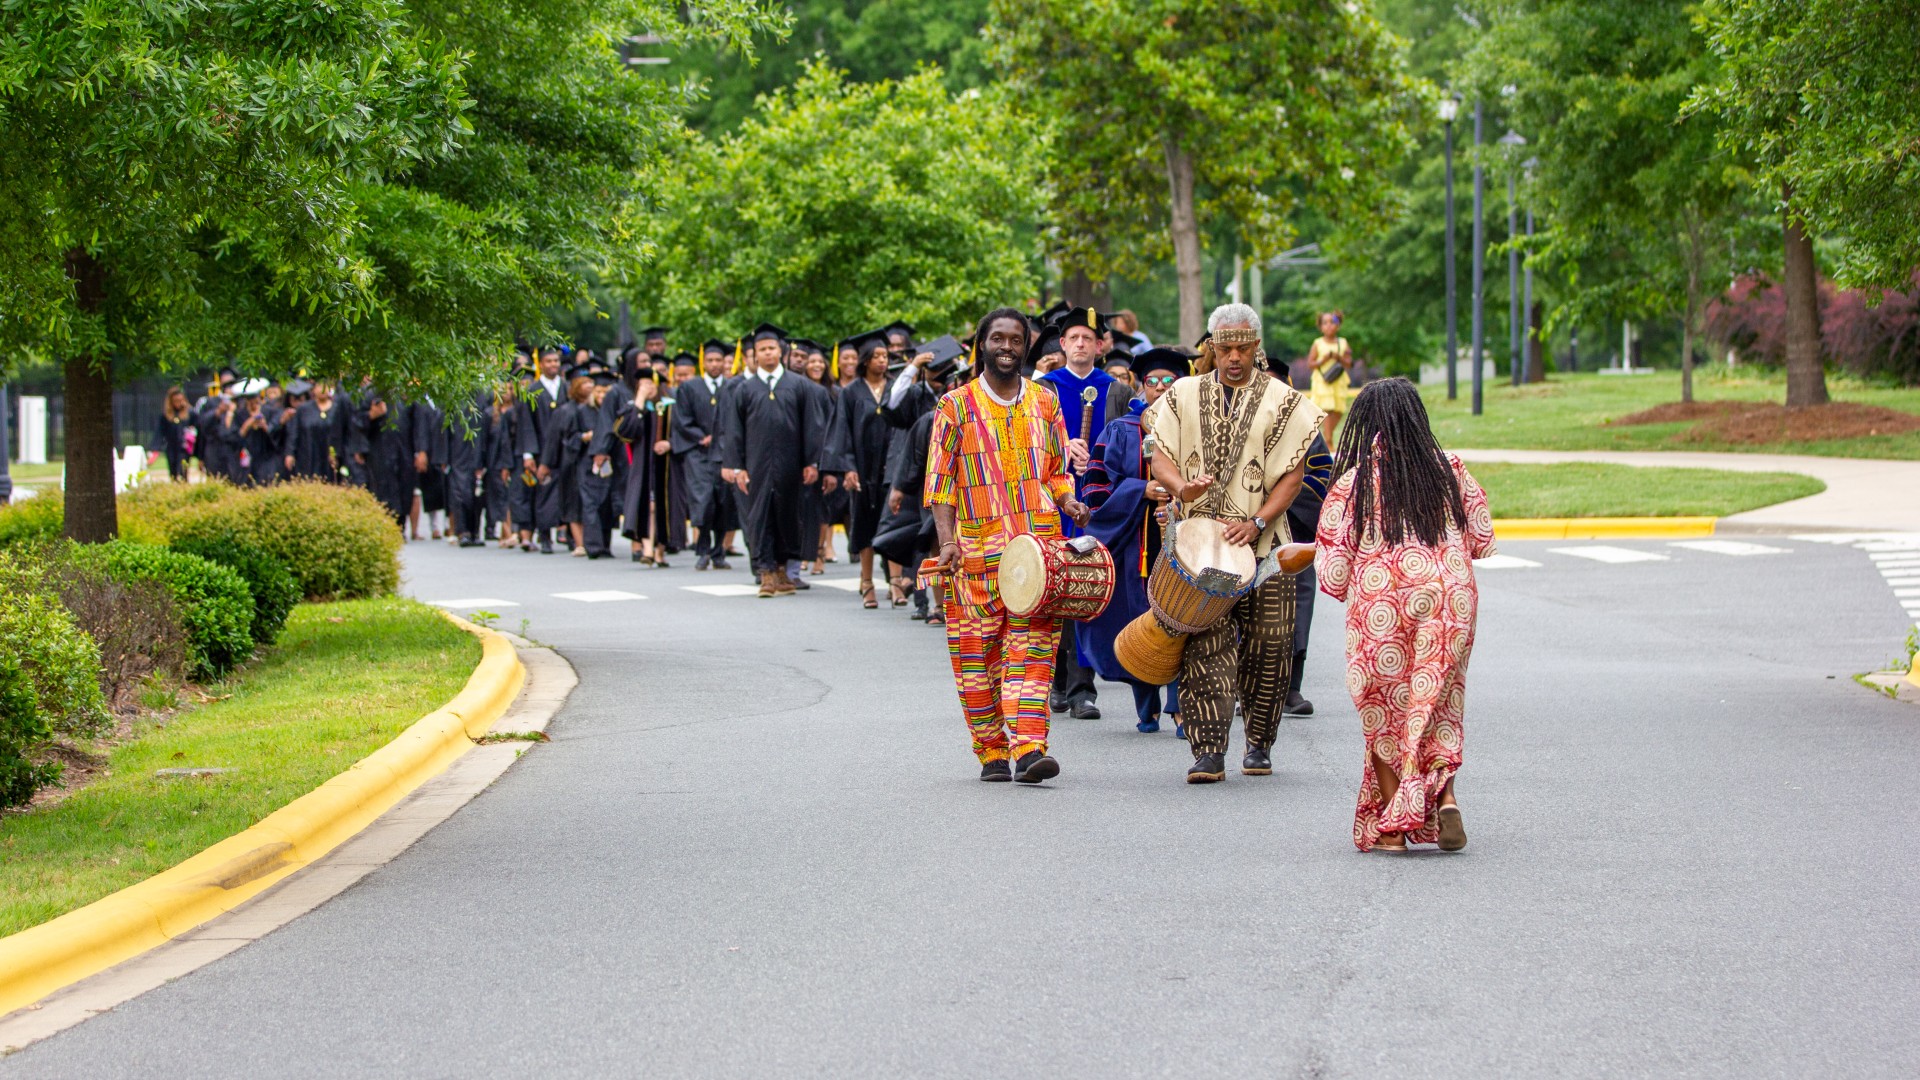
point(1054, 311)
point(648, 333)
point(298, 387)
point(715, 345)
point(766, 330)
point(899, 326)
point(1118, 358)
point(1047, 342)
point(1084, 316)
point(946, 351)
point(1122, 339)
point(227, 374)
point(1163, 359)
point(683, 358)
point(809, 345)
point(644, 371)
point(577, 371)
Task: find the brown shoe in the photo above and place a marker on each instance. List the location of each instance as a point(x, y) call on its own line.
point(767, 587)
point(782, 584)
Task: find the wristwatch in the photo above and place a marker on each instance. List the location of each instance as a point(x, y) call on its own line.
point(1260, 523)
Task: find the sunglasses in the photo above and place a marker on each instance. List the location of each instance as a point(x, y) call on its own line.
point(1161, 380)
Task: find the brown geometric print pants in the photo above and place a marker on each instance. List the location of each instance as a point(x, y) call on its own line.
point(1248, 655)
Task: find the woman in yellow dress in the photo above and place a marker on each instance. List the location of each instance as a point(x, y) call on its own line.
point(1332, 360)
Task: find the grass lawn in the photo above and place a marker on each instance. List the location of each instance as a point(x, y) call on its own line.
point(37, 475)
point(1571, 412)
point(343, 680)
point(1595, 490)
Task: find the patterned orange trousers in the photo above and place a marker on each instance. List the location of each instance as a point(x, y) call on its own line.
point(1003, 667)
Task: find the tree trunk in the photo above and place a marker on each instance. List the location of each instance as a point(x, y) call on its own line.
point(91, 516)
point(1686, 334)
point(1536, 366)
point(1806, 379)
point(1077, 289)
point(1185, 231)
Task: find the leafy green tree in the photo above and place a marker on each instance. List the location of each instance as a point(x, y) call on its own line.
point(842, 205)
point(1170, 115)
point(1820, 95)
point(871, 40)
point(148, 144)
point(1639, 206)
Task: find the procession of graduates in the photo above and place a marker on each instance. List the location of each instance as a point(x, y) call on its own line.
point(932, 457)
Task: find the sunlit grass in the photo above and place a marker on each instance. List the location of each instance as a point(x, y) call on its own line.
point(1594, 490)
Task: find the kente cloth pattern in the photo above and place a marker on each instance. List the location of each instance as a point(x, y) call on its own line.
point(1003, 470)
point(1410, 619)
point(1248, 442)
point(1003, 668)
point(1249, 656)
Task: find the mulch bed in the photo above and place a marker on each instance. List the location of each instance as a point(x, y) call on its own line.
point(1757, 423)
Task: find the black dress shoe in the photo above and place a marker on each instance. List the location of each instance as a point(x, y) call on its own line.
point(1056, 705)
point(720, 563)
point(1297, 705)
point(468, 541)
point(1256, 763)
point(1035, 767)
point(546, 547)
point(703, 562)
point(730, 553)
point(800, 583)
point(1208, 769)
point(996, 772)
point(1084, 710)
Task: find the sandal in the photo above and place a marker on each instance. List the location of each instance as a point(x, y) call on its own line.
point(936, 619)
point(1453, 831)
point(897, 590)
point(867, 599)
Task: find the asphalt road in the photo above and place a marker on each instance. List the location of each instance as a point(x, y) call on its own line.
point(756, 848)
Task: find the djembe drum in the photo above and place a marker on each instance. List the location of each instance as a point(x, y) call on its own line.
point(1056, 578)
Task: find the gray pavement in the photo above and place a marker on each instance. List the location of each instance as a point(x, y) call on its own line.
point(756, 849)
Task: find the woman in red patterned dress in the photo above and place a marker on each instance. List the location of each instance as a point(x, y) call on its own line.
point(1398, 535)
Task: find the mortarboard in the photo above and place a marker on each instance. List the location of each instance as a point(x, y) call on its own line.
point(1163, 359)
point(764, 331)
point(648, 333)
point(1054, 311)
point(1084, 316)
point(685, 359)
point(298, 387)
point(1047, 342)
point(715, 345)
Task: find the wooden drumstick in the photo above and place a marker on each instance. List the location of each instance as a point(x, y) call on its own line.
point(1295, 557)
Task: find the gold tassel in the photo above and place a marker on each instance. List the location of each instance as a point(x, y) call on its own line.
point(736, 356)
point(833, 365)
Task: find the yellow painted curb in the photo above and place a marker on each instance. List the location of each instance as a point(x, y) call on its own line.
point(1604, 528)
point(1913, 673)
point(37, 961)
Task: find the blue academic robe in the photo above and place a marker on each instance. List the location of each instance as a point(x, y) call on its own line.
point(1070, 387)
point(1116, 489)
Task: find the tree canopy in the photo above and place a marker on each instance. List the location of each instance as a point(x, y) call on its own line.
point(839, 206)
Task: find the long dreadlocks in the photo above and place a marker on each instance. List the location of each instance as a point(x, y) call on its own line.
point(1387, 432)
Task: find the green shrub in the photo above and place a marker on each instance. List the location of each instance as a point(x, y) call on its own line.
point(274, 589)
point(33, 521)
point(143, 518)
point(161, 504)
point(22, 730)
point(338, 541)
point(216, 607)
point(58, 658)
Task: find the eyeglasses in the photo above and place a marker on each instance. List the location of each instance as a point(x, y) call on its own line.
point(1161, 380)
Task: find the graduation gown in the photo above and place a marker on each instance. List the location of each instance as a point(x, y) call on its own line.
point(467, 455)
point(902, 536)
point(430, 437)
point(216, 447)
point(561, 453)
point(1109, 400)
point(317, 441)
point(1122, 520)
point(390, 456)
point(502, 463)
point(774, 433)
point(538, 411)
point(648, 507)
point(695, 416)
point(859, 443)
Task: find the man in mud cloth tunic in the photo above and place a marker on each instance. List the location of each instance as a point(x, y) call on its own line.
point(997, 468)
point(1231, 444)
point(1089, 399)
point(773, 429)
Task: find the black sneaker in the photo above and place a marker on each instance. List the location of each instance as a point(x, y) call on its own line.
point(546, 546)
point(1035, 767)
point(703, 562)
point(1084, 710)
point(1208, 769)
point(1256, 763)
point(996, 772)
point(1297, 705)
point(720, 563)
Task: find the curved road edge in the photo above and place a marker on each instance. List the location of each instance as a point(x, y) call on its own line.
point(64, 971)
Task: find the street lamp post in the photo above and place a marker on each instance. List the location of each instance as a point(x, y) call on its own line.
point(1479, 263)
point(1528, 342)
point(1513, 140)
point(1450, 108)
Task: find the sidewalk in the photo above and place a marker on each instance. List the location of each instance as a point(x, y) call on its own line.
point(1863, 495)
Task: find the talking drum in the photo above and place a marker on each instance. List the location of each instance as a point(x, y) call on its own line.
point(1055, 578)
point(1199, 577)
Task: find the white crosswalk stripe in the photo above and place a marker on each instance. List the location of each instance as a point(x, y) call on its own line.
point(723, 590)
point(1607, 553)
point(1503, 562)
point(473, 602)
point(598, 596)
point(845, 584)
point(1728, 547)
